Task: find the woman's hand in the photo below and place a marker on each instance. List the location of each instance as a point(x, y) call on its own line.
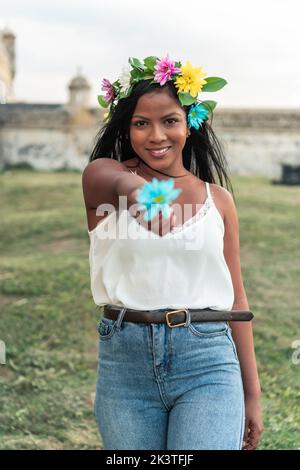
point(253, 422)
point(159, 225)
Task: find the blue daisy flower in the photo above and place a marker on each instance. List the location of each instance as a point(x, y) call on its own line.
point(155, 196)
point(197, 114)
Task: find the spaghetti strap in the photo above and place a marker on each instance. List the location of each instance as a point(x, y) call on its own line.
point(208, 191)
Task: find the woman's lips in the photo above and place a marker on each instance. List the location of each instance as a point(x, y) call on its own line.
point(159, 153)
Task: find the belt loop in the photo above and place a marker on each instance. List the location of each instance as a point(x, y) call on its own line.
point(188, 318)
point(120, 318)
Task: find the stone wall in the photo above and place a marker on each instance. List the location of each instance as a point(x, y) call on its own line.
point(52, 136)
point(256, 142)
point(47, 136)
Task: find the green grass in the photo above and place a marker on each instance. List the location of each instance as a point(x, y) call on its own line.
point(48, 319)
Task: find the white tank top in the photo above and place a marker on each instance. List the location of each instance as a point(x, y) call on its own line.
point(134, 267)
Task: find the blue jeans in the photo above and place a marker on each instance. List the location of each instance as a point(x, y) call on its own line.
point(162, 388)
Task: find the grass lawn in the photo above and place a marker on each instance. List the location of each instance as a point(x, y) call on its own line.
point(48, 319)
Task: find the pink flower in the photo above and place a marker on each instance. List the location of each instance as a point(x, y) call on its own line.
point(164, 69)
point(108, 88)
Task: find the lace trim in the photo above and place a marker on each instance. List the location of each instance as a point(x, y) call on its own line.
point(199, 215)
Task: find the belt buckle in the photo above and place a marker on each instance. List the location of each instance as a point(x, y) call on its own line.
point(175, 311)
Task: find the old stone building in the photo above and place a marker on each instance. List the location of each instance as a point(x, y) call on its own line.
point(7, 65)
point(53, 136)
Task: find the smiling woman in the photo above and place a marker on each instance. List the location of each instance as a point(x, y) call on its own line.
point(161, 282)
point(158, 130)
point(201, 152)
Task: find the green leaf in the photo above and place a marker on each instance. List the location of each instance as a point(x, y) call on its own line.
point(134, 62)
point(108, 117)
point(129, 90)
point(116, 84)
point(186, 99)
point(135, 73)
point(149, 72)
point(150, 62)
point(125, 93)
point(102, 101)
point(213, 84)
point(147, 77)
point(178, 64)
point(209, 104)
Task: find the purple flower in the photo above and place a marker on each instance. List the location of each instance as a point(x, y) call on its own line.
point(164, 69)
point(108, 88)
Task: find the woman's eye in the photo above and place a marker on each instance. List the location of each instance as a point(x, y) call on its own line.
point(141, 123)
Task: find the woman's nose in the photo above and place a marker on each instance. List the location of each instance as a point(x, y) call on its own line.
point(157, 134)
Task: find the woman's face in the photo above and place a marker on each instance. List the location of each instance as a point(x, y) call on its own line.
point(158, 130)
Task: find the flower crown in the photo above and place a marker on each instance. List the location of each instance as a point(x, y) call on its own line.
point(188, 80)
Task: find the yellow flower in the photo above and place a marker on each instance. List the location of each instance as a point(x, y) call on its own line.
point(191, 79)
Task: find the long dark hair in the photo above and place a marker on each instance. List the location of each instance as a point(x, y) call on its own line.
point(203, 154)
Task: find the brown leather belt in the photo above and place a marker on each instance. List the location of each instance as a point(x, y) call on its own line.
point(177, 317)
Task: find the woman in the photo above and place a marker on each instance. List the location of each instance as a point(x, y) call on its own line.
point(166, 379)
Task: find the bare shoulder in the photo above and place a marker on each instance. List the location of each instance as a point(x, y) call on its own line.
point(223, 200)
point(98, 179)
point(101, 165)
point(221, 193)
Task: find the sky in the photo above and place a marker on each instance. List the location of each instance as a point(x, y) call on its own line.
point(253, 44)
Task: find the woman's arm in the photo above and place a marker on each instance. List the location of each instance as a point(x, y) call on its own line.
point(242, 332)
point(104, 180)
